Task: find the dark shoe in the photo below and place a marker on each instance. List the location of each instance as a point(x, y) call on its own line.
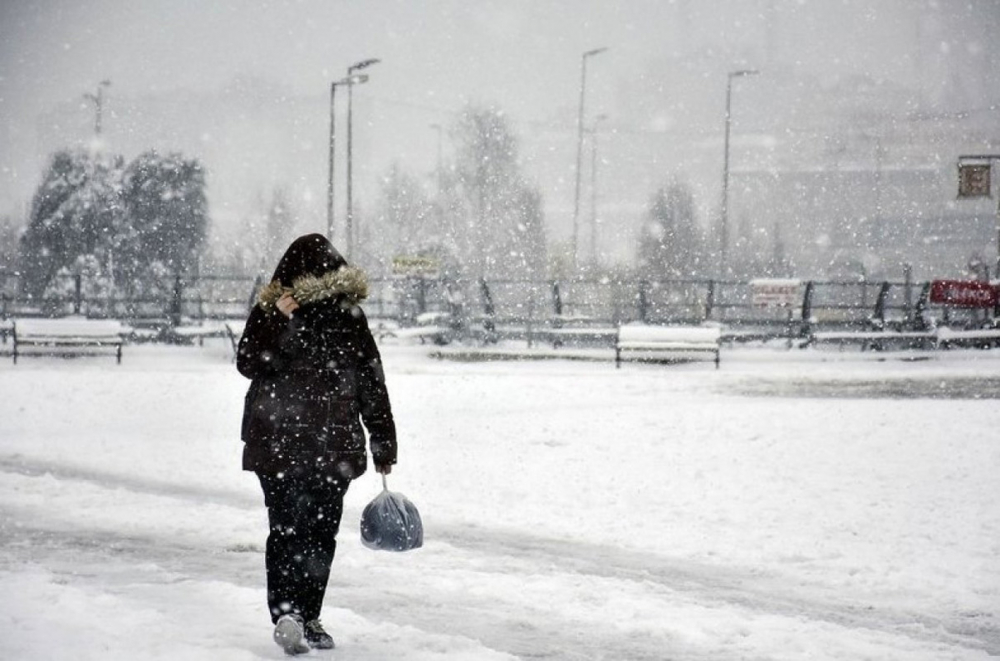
point(317, 637)
point(289, 633)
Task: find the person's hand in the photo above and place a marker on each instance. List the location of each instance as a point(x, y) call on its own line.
point(384, 470)
point(286, 304)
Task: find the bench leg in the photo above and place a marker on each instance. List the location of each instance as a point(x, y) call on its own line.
point(717, 359)
point(618, 358)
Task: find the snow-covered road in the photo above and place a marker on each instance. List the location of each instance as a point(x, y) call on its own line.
point(782, 508)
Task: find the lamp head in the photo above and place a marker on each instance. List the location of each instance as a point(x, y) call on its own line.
point(595, 51)
point(362, 64)
point(355, 79)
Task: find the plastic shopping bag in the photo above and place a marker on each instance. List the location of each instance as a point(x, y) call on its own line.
point(391, 523)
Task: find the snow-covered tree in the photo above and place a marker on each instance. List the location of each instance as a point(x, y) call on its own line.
point(76, 211)
point(503, 233)
point(670, 244)
point(167, 215)
point(121, 220)
point(263, 235)
point(404, 214)
point(9, 232)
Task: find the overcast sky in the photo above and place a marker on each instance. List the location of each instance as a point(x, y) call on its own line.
point(523, 55)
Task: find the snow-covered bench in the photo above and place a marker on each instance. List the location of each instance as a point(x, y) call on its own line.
point(200, 332)
point(575, 335)
point(68, 336)
point(435, 327)
point(652, 343)
point(877, 340)
point(980, 337)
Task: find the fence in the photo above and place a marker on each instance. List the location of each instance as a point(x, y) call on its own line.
point(406, 301)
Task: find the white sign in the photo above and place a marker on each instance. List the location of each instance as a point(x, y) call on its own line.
point(416, 266)
point(776, 293)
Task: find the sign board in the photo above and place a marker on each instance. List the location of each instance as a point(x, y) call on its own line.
point(414, 266)
point(775, 293)
point(974, 180)
point(964, 293)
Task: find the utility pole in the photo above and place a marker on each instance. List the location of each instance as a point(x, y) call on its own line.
point(98, 100)
point(440, 170)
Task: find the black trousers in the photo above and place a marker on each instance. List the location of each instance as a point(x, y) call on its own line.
point(304, 513)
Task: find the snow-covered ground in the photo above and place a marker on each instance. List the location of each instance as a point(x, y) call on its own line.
point(791, 505)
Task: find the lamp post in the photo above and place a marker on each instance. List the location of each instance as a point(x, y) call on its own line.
point(593, 186)
point(723, 226)
point(439, 129)
point(352, 81)
point(579, 146)
point(98, 100)
point(329, 178)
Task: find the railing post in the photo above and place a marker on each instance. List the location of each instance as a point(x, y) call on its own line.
point(489, 322)
point(710, 300)
point(175, 303)
point(557, 306)
point(883, 294)
point(421, 295)
point(644, 301)
point(78, 293)
point(908, 293)
point(529, 326)
point(807, 307)
point(919, 320)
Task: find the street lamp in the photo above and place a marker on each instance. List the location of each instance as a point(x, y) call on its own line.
point(352, 80)
point(579, 146)
point(723, 227)
point(440, 166)
point(98, 100)
point(593, 186)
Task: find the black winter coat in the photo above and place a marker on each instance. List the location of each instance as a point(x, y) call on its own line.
point(313, 376)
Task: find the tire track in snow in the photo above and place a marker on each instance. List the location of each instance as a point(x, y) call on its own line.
point(30, 467)
point(515, 553)
point(753, 591)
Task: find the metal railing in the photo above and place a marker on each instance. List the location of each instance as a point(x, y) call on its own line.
point(506, 302)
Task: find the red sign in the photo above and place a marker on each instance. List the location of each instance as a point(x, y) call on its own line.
point(964, 293)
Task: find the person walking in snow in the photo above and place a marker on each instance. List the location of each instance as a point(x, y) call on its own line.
point(316, 375)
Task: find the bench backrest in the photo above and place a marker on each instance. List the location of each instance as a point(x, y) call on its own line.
point(675, 334)
point(69, 327)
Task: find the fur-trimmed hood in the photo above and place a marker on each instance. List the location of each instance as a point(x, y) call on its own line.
point(347, 281)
